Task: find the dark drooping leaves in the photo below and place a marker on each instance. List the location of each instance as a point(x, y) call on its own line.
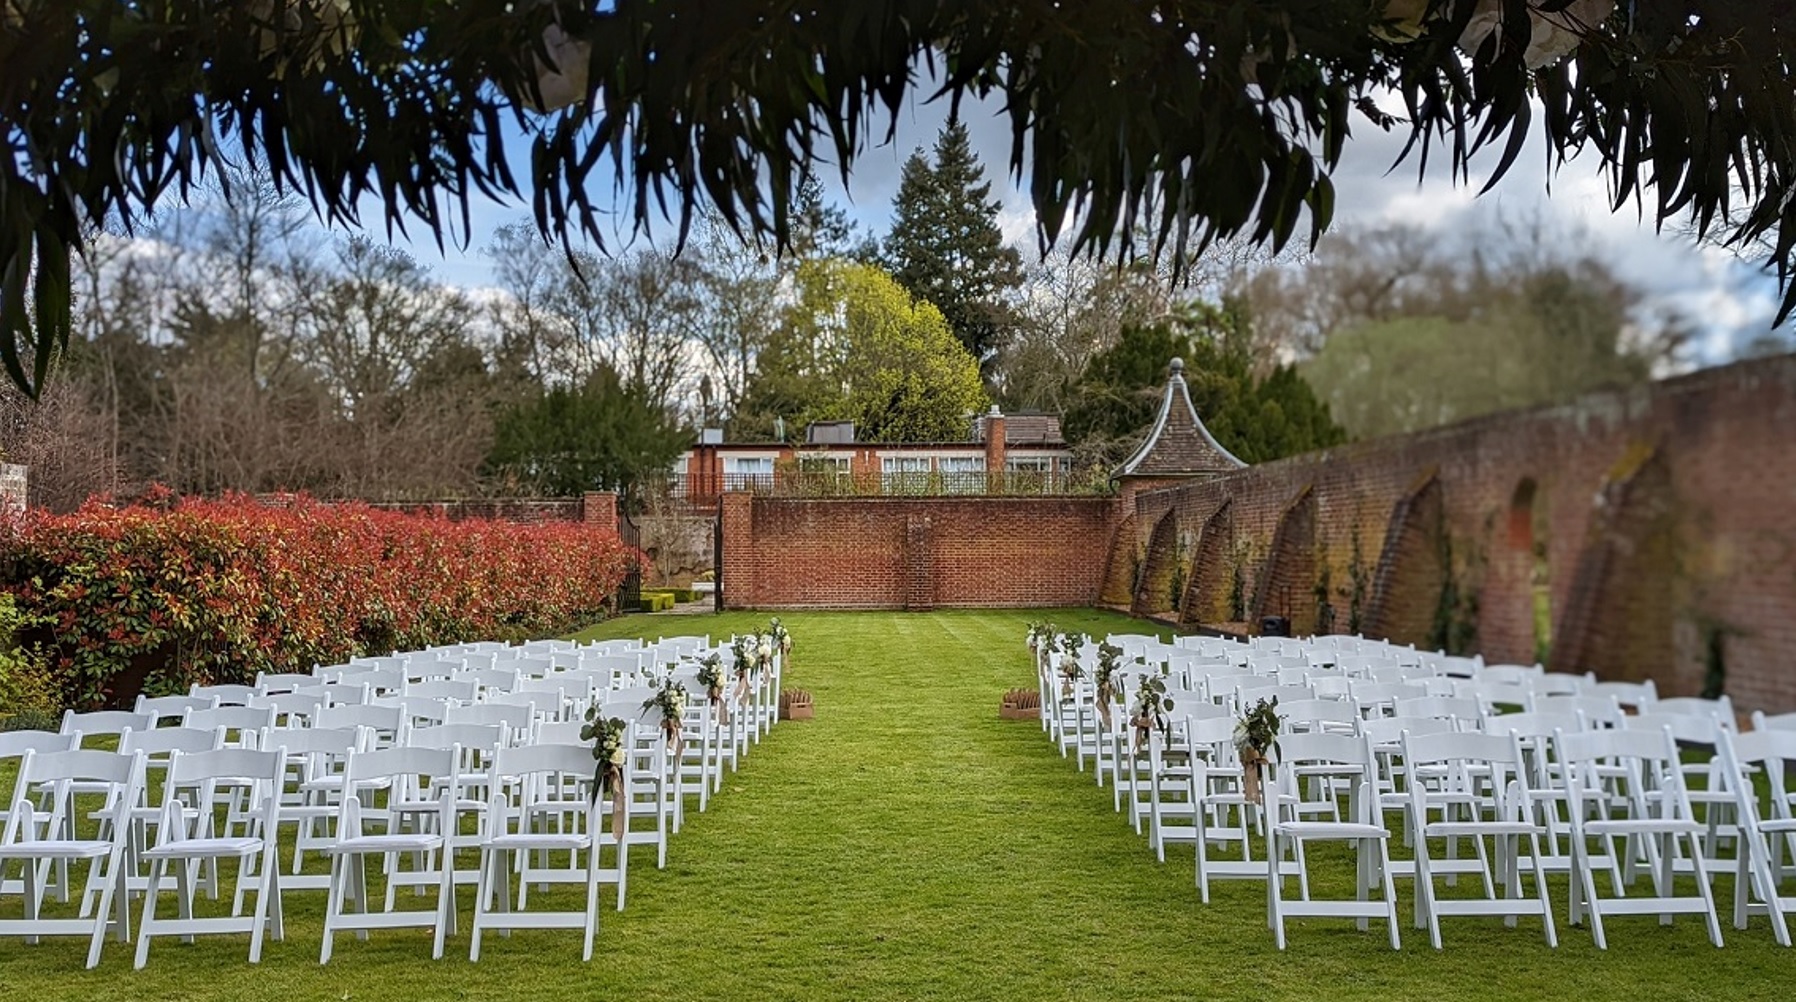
point(1178, 122)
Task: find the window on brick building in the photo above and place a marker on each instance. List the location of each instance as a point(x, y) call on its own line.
point(1030, 474)
point(747, 472)
point(825, 475)
point(963, 474)
point(905, 474)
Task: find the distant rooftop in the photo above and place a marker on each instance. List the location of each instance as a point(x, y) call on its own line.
point(1179, 444)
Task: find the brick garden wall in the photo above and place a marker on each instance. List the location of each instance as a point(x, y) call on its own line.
point(1664, 519)
point(914, 553)
point(594, 507)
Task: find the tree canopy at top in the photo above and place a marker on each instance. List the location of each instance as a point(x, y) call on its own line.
point(1182, 121)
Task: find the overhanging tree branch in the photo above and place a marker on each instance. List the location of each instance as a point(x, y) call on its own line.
point(1186, 120)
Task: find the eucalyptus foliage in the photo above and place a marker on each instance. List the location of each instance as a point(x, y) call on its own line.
point(1184, 121)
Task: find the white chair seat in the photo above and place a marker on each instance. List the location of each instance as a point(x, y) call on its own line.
point(1644, 826)
point(1330, 829)
point(542, 840)
point(203, 847)
point(1473, 829)
point(56, 848)
point(386, 843)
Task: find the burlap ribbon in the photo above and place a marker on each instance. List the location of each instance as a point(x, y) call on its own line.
point(1144, 728)
point(620, 805)
point(675, 730)
point(715, 695)
point(1251, 759)
point(1104, 695)
point(741, 687)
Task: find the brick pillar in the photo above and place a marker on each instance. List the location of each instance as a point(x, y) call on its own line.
point(599, 508)
point(919, 578)
point(863, 466)
point(737, 575)
point(994, 449)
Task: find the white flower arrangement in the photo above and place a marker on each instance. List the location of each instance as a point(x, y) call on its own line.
point(710, 675)
point(671, 698)
point(608, 749)
point(743, 648)
point(781, 637)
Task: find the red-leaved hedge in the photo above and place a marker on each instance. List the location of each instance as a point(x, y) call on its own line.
point(155, 597)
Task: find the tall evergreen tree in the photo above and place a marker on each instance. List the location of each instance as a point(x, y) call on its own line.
point(945, 245)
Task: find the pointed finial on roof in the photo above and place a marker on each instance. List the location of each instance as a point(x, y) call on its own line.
point(1179, 444)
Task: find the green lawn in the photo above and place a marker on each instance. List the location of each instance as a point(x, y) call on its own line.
point(907, 844)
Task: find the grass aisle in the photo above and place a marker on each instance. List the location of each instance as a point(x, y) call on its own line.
point(907, 844)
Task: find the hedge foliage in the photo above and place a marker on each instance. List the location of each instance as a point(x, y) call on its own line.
point(165, 593)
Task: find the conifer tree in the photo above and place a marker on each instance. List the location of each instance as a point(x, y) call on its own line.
point(945, 245)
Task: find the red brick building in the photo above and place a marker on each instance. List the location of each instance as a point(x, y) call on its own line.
point(1021, 453)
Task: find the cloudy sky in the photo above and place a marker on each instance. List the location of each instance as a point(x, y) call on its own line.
point(1729, 301)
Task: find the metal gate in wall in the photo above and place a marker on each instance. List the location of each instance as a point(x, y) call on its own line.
point(629, 594)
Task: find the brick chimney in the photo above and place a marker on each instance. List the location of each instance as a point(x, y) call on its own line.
point(994, 448)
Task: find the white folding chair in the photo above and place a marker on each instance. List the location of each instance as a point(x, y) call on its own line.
point(160, 708)
point(105, 723)
point(520, 825)
point(1640, 800)
point(187, 835)
point(236, 726)
point(1350, 758)
point(224, 694)
point(1478, 786)
point(388, 724)
point(270, 684)
point(312, 790)
point(41, 835)
point(1766, 834)
point(651, 779)
point(517, 720)
point(404, 772)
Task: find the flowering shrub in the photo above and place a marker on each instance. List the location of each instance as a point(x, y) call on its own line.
point(161, 595)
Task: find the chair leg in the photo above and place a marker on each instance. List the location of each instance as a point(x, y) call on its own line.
point(445, 904)
point(333, 903)
point(1746, 875)
point(1540, 888)
point(592, 900)
point(1274, 893)
point(490, 861)
point(186, 876)
point(1701, 867)
point(1390, 894)
point(277, 914)
point(149, 914)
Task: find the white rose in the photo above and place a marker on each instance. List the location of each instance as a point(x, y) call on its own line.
point(618, 757)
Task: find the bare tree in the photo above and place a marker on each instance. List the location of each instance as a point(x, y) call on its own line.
point(62, 437)
point(740, 308)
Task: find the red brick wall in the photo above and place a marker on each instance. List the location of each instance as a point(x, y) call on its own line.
point(1702, 555)
point(896, 553)
point(524, 510)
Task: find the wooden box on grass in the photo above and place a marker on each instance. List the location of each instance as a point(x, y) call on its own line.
point(796, 704)
point(1020, 704)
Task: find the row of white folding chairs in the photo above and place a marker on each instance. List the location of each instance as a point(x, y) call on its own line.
point(479, 749)
point(1319, 658)
point(529, 810)
point(1217, 809)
